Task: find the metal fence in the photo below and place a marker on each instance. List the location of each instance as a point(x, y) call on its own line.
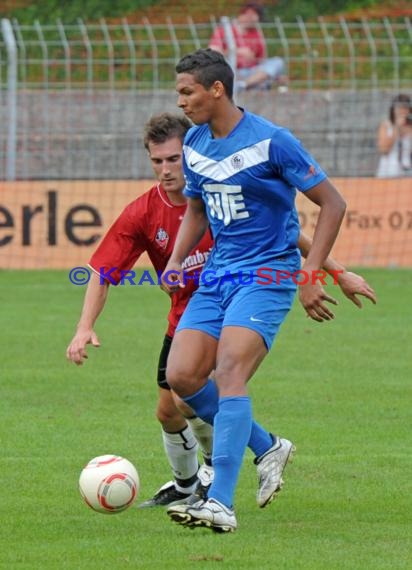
point(74, 98)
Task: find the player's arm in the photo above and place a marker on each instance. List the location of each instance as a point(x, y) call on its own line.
point(332, 210)
point(116, 253)
point(192, 229)
point(93, 304)
point(350, 283)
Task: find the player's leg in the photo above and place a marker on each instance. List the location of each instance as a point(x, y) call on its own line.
point(202, 431)
point(271, 455)
point(263, 317)
point(191, 360)
point(192, 355)
point(239, 353)
point(263, 309)
point(178, 440)
point(205, 315)
point(179, 444)
point(188, 372)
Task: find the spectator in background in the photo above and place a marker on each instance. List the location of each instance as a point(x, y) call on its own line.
point(253, 67)
point(395, 140)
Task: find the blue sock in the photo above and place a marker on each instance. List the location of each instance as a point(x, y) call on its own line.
point(232, 427)
point(260, 440)
point(205, 403)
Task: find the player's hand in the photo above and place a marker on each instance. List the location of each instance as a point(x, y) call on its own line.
point(163, 288)
point(172, 278)
point(353, 284)
point(246, 53)
point(313, 297)
point(76, 351)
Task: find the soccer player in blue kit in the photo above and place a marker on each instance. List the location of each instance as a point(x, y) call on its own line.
point(242, 172)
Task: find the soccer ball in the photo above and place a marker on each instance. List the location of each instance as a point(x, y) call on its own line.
point(109, 484)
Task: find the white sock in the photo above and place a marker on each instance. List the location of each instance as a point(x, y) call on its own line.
point(181, 450)
point(203, 433)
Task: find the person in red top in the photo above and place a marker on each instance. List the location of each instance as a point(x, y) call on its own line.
point(150, 224)
point(253, 67)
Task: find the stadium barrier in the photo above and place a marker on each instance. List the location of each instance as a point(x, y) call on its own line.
point(74, 97)
point(58, 224)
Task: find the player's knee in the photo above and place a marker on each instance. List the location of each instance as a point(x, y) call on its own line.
point(170, 418)
point(229, 376)
point(176, 375)
point(183, 379)
point(183, 408)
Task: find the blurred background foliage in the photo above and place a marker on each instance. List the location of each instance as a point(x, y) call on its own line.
point(26, 11)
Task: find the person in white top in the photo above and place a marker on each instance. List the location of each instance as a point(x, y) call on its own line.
point(395, 140)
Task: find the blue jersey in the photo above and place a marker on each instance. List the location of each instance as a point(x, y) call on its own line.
point(248, 183)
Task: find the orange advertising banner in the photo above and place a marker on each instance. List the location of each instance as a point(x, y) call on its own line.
point(377, 228)
point(57, 224)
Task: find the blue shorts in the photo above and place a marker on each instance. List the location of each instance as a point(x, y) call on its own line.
point(261, 305)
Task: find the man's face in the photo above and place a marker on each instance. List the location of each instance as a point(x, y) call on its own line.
point(248, 19)
point(196, 102)
point(166, 159)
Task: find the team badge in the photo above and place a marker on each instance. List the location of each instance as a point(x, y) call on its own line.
point(162, 238)
point(237, 161)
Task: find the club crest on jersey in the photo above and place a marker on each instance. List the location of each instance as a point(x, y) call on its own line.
point(162, 238)
point(237, 161)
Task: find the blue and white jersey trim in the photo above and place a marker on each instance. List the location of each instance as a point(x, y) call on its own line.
point(220, 170)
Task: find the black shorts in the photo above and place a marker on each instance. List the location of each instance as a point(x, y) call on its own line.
point(161, 367)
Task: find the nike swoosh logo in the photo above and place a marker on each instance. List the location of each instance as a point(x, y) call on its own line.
point(256, 320)
point(192, 164)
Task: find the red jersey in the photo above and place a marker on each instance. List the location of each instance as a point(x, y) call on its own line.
point(250, 37)
point(150, 224)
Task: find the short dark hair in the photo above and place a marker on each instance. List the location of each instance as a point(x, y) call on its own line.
point(208, 66)
point(257, 8)
point(163, 127)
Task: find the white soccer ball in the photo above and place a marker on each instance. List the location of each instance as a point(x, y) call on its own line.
point(109, 484)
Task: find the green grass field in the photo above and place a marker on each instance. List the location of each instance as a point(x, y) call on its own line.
point(340, 390)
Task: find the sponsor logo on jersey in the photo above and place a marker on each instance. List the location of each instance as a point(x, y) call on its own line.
point(226, 202)
point(196, 260)
point(162, 238)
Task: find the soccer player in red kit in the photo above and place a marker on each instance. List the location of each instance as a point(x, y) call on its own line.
point(150, 224)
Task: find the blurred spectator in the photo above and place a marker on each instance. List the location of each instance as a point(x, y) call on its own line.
point(253, 67)
point(395, 140)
